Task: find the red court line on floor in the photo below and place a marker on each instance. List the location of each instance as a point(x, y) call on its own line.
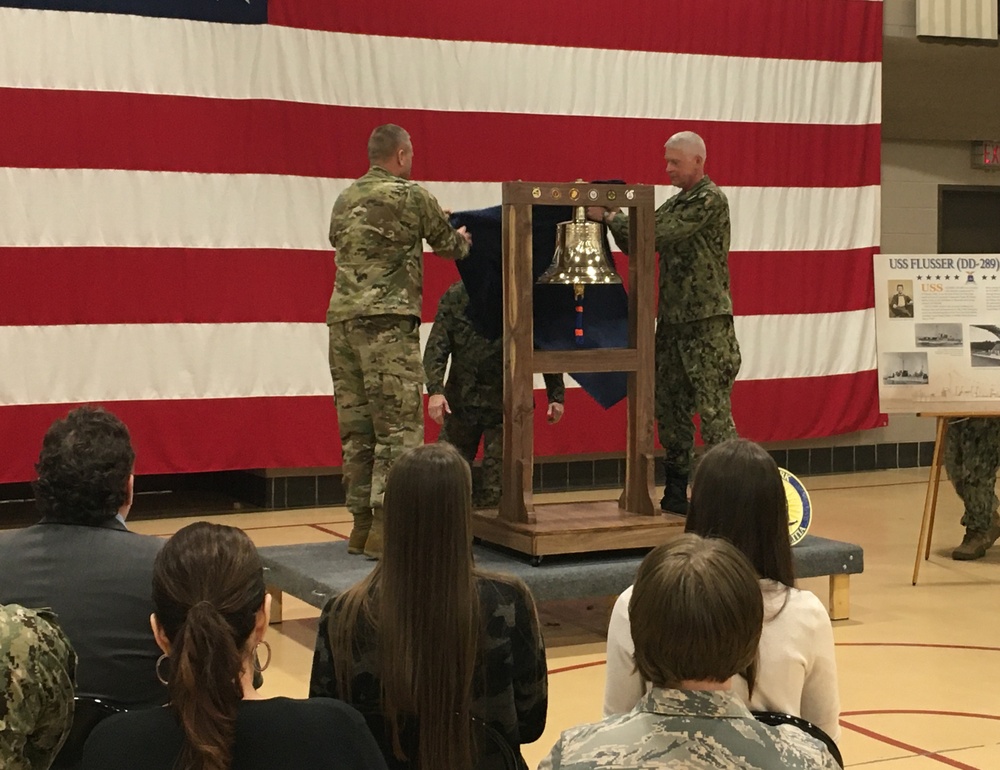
point(931, 712)
point(919, 644)
point(576, 666)
point(321, 528)
point(905, 746)
point(253, 529)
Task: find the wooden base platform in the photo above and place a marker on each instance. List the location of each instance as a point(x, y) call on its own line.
point(582, 527)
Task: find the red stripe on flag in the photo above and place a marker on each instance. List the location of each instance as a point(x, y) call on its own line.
point(187, 436)
point(837, 30)
point(180, 133)
point(137, 285)
point(778, 282)
point(806, 407)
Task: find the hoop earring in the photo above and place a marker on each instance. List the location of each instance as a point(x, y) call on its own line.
point(159, 660)
point(256, 660)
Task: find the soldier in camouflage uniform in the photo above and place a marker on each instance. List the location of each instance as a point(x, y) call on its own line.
point(972, 459)
point(378, 226)
point(697, 354)
point(37, 670)
point(685, 591)
point(470, 405)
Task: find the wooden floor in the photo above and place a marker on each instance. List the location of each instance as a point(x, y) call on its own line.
point(919, 666)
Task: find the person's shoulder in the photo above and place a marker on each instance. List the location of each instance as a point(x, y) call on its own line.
point(113, 730)
point(710, 192)
point(496, 590)
point(800, 750)
point(30, 629)
point(807, 606)
point(455, 294)
point(308, 713)
point(10, 537)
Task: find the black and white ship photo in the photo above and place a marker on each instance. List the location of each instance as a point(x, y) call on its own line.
point(984, 344)
point(903, 368)
point(938, 335)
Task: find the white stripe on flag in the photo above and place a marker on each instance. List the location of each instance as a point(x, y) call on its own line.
point(128, 362)
point(125, 362)
point(169, 56)
point(808, 345)
point(90, 207)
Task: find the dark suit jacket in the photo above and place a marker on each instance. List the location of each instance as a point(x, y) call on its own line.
point(99, 582)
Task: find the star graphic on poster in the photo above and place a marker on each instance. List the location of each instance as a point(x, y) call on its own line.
point(947, 277)
point(919, 277)
point(937, 278)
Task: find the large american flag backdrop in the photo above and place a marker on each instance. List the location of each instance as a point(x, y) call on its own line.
point(167, 169)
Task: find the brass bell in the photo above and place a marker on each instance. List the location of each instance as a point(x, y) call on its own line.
point(579, 255)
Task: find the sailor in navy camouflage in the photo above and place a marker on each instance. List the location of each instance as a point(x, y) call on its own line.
point(972, 459)
point(378, 227)
point(697, 354)
point(37, 673)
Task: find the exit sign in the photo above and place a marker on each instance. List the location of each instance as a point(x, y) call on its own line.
point(986, 155)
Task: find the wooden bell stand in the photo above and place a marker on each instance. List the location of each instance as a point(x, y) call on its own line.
point(634, 521)
point(934, 482)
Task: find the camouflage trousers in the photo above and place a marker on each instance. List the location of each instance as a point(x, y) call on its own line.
point(972, 459)
point(378, 384)
point(696, 366)
point(464, 432)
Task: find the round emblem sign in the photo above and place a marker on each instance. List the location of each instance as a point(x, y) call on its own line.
point(799, 506)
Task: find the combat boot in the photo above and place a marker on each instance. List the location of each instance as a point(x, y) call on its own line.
point(359, 533)
point(373, 545)
point(975, 544)
point(675, 493)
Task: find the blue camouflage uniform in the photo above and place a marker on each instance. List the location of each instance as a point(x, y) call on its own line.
point(689, 729)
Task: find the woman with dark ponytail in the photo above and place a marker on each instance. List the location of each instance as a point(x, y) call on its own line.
point(427, 642)
point(211, 614)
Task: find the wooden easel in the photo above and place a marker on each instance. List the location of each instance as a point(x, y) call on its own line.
point(934, 482)
point(579, 527)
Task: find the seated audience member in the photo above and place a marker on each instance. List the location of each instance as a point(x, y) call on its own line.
point(696, 614)
point(211, 613)
point(82, 561)
point(37, 666)
point(427, 641)
point(737, 494)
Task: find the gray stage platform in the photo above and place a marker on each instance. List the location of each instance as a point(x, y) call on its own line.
point(316, 571)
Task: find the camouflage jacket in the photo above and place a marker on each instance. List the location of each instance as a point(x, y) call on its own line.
point(510, 688)
point(688, 730)
point(378, 226)
point(37, 671)
point(475, 380)
point(692, 238)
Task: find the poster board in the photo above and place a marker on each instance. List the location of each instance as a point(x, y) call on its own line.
point(937, 329)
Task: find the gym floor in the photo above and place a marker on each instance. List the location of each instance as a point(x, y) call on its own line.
point(919, 666)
